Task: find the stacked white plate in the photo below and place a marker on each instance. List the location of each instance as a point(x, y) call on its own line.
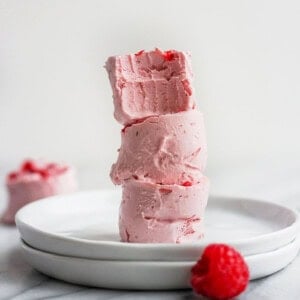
point(75, 238)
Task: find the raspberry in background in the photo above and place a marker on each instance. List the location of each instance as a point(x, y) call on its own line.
point(221, 273)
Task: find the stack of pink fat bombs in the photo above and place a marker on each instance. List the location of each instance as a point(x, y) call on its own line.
point(163, 151)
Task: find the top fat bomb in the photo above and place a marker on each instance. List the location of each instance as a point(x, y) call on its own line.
point(150, 83)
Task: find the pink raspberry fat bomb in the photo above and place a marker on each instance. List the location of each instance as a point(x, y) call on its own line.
point(154, 213)
point(36, 180)
point(150, 83)
point(167, 149)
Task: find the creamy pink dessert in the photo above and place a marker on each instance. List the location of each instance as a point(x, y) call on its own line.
point(36, 180)
point(150, 83)
point(154, 213)
point(163, 151)
point(166, 149)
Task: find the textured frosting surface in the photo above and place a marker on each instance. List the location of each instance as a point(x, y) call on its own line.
point(150, 83)
point(168, 149)
point(154, 213)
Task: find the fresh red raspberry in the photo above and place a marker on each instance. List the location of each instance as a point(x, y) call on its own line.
point(221, 273)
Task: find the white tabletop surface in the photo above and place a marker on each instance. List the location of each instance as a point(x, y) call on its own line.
point(276, 182)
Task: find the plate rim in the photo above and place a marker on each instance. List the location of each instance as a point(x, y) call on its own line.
point(294, 243)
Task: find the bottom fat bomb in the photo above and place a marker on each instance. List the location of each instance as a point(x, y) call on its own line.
point(36, 180)
point(155, 213)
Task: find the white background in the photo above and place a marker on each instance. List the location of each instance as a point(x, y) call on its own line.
point(55, 98)
point(55, 101)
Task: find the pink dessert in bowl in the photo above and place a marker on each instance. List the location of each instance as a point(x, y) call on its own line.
point(36, 180)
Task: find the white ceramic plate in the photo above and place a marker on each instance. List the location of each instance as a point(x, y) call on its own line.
point(143, 275)
point(85, 225)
